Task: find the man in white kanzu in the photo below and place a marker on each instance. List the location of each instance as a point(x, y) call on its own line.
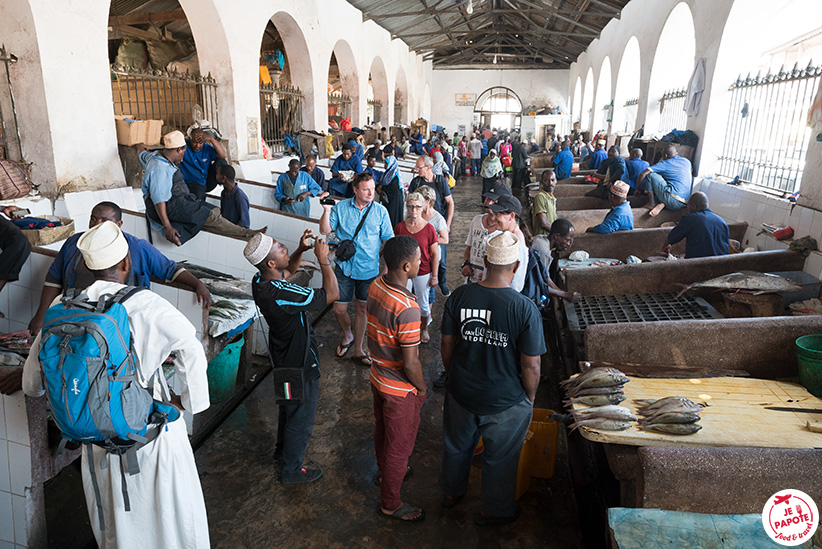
point(167, 505)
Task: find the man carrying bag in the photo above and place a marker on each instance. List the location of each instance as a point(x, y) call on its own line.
point(291, 342)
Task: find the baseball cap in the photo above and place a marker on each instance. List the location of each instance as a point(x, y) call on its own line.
point(506, 203)
point(499, 189)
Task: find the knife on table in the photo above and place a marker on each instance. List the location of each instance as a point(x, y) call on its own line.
point(787, 409)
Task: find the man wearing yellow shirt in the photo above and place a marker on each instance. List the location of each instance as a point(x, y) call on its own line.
point(544, 210)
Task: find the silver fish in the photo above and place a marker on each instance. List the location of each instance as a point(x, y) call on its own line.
point(674, 428)
point(601, 423)
point(608, 412)
point(588, 374)
point(645, 405)
point(615, 389)
point(597, 400)
point(748, 281)
point(672, 417)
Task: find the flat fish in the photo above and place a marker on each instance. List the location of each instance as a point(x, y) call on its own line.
point(748, 281)
point(674, 428)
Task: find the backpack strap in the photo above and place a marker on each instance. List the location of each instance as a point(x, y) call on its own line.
point(90, 453)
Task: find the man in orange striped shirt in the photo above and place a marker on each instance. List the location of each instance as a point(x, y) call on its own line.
point(397, 382)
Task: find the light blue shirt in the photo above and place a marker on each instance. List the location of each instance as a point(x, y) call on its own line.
point(676, 171)
point(344, 218)
point(619, 218)
point(157, 176)
point(303, 183)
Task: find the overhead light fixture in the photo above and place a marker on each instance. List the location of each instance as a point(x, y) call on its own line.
point(469, 9)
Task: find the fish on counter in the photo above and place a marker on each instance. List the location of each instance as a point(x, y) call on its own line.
point(672, 415)
point(613, 397)
point(674, 428)
point(751, 282)
point(606, 418)
point(594, 378)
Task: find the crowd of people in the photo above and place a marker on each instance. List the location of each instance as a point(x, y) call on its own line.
point(390, 260)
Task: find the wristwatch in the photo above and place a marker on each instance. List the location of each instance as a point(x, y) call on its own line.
point(466, 263)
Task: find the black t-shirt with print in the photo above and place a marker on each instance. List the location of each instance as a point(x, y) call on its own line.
point(492, 326)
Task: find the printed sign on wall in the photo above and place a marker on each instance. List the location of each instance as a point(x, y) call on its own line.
point(466, 99)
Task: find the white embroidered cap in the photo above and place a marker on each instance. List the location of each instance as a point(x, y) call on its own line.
point(103, 246)
point(502, 249)
point(258, 248)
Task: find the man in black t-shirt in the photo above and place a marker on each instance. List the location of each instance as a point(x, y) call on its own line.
point(285, 306)
point(492, 341)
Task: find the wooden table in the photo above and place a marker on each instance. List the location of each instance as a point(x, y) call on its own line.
point(735, 415)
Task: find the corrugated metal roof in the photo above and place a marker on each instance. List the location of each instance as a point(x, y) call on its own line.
point(520, 33)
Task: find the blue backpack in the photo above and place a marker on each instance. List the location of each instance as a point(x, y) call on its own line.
point(90, 376)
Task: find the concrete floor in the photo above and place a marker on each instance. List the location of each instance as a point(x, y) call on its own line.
point(248, 507)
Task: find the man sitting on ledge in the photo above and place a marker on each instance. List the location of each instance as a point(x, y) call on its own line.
point(705, 232)
point(620, 217)
point(171, 204)
point(669, 182)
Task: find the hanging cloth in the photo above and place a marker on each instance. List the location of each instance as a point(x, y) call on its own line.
point(696, 85)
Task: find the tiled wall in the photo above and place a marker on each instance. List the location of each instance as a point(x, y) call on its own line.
point(18, 301)
point(737, 203)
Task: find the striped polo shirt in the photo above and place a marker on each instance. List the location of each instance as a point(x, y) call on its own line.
point(393, 323)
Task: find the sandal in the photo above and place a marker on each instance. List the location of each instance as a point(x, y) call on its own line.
point(403, 512)
point(362, 360)
point(342, 349)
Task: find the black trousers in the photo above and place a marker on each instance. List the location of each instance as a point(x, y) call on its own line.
point(16, 250)
point(296, 422)
point(520, 177)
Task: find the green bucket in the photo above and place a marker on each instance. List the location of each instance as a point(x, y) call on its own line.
point(809, 358)
point(222, 371)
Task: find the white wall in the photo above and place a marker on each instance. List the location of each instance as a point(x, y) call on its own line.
point(546, 87)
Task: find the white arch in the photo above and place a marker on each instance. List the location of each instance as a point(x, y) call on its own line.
point(401, 97)
point(299, 60)
point(349, 78)
point(576, 104)
point(379, 82)
point(673, 60)
point(603, 97)
point(627, 87)
point(587, 102)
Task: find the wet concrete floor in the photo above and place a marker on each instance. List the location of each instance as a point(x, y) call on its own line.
point(248, 507)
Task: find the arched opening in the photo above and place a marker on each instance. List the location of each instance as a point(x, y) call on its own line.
point(426, 102)
point(498, 108)
point(155, 70)
point(401, 114)
point(342, 84)
point(286, 89)
point(626, 95)
point(587, 103)
point(671, 69)
point(378, 93)
point(576, 104)
point(603, 106)
point(762, 86)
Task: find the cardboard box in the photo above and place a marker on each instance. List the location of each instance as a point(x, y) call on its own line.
point(41, 237)
point(131, 131)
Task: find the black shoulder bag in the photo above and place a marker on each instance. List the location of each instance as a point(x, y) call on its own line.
point(289, 383)
point(346, 249)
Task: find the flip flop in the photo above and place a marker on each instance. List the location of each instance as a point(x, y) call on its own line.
point(344, 347)
point(402, 512)
point(362, 360)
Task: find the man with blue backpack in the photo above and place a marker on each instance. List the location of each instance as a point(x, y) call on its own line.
point(99, 360)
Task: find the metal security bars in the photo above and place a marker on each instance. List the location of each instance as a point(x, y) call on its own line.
point(339, 105)
point(10, 147)
point(766, 136)
point(672, 111)
point(374, 111)
point(281, 110)
point(607, 115)
point(629, 110)
point(397, 113)
point(177, 99)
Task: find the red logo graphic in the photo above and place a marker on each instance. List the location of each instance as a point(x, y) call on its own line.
point(790, 517)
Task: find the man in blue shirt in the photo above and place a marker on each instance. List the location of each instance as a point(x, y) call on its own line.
point(633, 167)
point(355, 275)
point(293, 189)
point(598, 156)
point(668, 181)
point(340, 183)
point(563, 161)
point(316, 173)
point(201, 151)
point(705, 233)
point(68, 270)
point(620, 217)
point(233, 201)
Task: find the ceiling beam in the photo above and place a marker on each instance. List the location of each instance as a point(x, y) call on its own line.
point(499, 11)
point(144, 18)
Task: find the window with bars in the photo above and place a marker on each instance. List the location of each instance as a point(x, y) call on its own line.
point(629, 111)
point(672, 111)
point(766, 138)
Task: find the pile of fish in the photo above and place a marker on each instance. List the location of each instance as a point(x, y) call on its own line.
point(600, 388)
point(671, 415)
point(225, 310)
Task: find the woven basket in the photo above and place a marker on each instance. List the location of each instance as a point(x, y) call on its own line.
point(41, 237)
